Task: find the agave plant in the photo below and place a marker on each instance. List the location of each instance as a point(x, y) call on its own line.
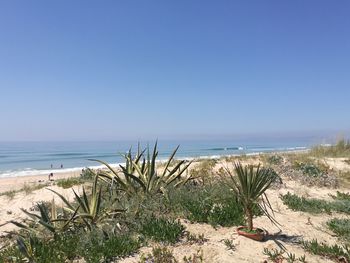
point(141, 174)
point(89, 210)
point(49, 221)
point(249, 185)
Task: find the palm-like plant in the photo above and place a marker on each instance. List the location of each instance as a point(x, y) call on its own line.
point(249, 185)
point(141, 174)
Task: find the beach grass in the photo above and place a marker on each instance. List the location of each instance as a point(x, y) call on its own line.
point(9, 194)
point(340, 149)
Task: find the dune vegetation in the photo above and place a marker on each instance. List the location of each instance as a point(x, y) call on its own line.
point(146, 203)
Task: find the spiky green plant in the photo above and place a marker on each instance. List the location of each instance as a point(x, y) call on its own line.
point(249, 186)
point(46, 219)
point(141, 174)
point(89, 210)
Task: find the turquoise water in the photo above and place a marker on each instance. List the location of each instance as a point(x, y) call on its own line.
point(29, 158)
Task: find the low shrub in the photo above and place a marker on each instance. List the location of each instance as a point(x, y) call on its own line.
point(203, 171)
point(309, 169)
point(274, 159)
point(214, 204)
point(108, 248)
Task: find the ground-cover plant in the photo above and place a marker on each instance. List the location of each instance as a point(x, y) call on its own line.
point(162, 229)
point(249, 185)
point(334, 252)
point(316, 206)
point(341, 227)
point(140, 173)
point(310, 205)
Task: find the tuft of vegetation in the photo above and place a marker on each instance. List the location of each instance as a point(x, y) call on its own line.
point(315, 206)
point(28, 189)
point(69, 182)
point(229, 244)
point(159, 255)
point(334, 252)
point(194, 258)
point(341, 227)
point(195, 239)
point(274, 159)
point(162, 230)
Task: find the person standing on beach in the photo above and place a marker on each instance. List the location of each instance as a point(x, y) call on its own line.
point(50, 175)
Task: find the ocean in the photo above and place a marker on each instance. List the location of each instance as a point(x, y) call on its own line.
point(33, 158)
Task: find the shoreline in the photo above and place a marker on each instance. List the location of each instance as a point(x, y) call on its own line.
point(18, 182)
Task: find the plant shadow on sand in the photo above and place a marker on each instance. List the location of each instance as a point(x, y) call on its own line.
point(279, 237)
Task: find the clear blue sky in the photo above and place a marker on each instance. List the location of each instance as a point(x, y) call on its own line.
point(100, 70)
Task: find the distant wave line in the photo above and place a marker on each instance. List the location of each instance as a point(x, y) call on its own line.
point(224, 149)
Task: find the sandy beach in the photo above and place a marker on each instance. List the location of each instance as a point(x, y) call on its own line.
point(18, 182)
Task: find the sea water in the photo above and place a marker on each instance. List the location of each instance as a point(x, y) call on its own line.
point(32, 158)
